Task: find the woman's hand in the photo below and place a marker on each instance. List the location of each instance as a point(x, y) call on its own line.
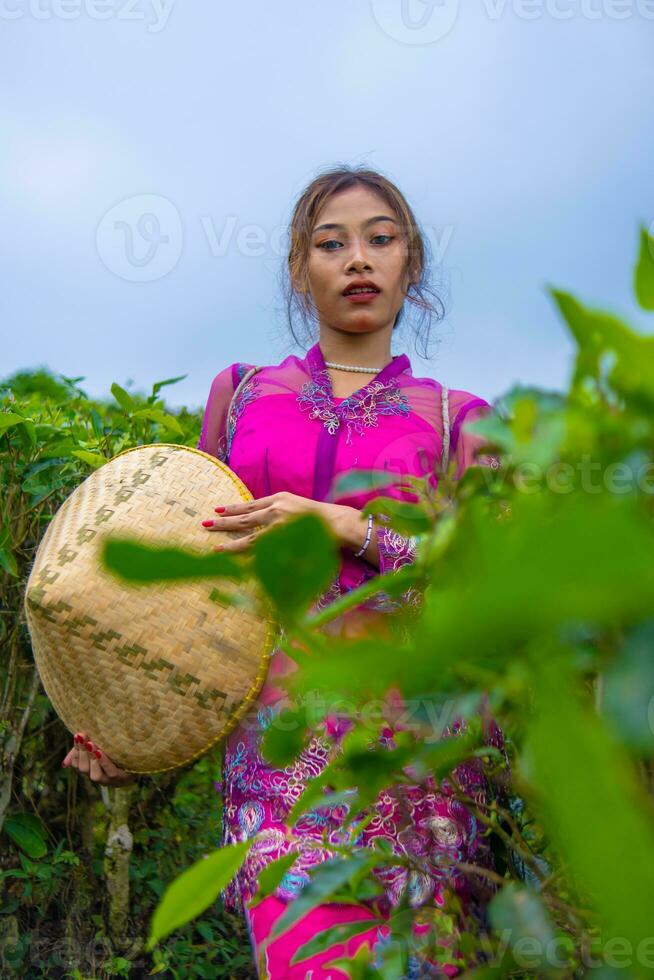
point(347, 523)
point(89, 759)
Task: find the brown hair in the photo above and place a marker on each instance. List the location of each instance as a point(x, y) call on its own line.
point(420, 292)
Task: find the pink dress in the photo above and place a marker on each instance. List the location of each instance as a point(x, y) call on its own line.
point(288, 432)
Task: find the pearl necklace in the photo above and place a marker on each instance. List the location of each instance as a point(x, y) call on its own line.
point(351, 367)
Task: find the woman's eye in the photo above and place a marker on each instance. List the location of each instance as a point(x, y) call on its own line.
point(326, 245)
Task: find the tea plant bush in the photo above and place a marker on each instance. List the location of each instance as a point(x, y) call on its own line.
point(57, 917)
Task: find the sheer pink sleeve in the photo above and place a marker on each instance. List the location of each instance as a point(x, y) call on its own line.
point(464, 446)
point(396, 550)
point(214, 437)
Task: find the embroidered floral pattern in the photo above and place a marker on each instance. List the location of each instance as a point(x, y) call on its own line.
point(422, 820)
point(247, 393)
point(359, 411)
point(395, 550)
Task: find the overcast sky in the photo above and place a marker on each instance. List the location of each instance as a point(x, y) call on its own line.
point(151, 152)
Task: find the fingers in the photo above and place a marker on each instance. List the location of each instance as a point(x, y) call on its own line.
point(87, 758)
point(235, 517)
point(96, 773)
point(239, 544)
point(237, 522)
point(107, 767)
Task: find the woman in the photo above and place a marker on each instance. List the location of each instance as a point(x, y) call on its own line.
point(356, 255)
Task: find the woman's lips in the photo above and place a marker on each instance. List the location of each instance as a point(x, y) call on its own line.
point(361, 297)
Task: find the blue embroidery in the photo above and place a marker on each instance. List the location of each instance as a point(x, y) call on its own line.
point(360, 411)
point(250, 817)
point(247, 393)
point(293, 884)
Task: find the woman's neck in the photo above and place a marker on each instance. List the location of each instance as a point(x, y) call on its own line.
point(359, 350)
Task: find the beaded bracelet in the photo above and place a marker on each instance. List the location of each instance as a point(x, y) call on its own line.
point(361, 550)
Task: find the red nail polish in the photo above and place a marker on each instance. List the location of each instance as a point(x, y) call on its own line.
point(78, 739)
point(89, 746)
point(97, 753)
point(207, 523)
point(219, 510)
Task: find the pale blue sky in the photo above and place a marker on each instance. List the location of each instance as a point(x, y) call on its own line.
point(521, 131)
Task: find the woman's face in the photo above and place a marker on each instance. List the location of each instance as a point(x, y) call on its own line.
point(357, 236)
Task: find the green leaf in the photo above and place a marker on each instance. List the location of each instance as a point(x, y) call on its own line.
point(644, 272)
point(161, 418)
point(123, 398)
point(158, 385)
point(333, 935)
point(195, 890)
point(328, 878)
point(592, 805)
point(8, 562)
point(533, 434)
point(609, 351)
point(405, 517)
point(136, 562)
point(97, 424)
point(503, 582)
point(359, 966)
point(358, 481)
point(628, 700)
point(27, 831)
point(518, 911)
point(295, 561)
point(171, 423)
point(285, 737)
point(96, 460)
point(8, 420)
point(270, 876)
point(206, 932)
point(41, 491)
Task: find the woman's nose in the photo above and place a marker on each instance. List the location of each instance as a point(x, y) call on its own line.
point(359, 260)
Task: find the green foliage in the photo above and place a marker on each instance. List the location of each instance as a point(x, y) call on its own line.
point(27, 831)
point(53, 891)
point(295, 562)
point(196, 889)
point(143, 563)
point(644, 275)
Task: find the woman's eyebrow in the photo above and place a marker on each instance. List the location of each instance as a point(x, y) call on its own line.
point(370, 221)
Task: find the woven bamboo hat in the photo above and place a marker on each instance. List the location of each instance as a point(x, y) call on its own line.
point(155, 674)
